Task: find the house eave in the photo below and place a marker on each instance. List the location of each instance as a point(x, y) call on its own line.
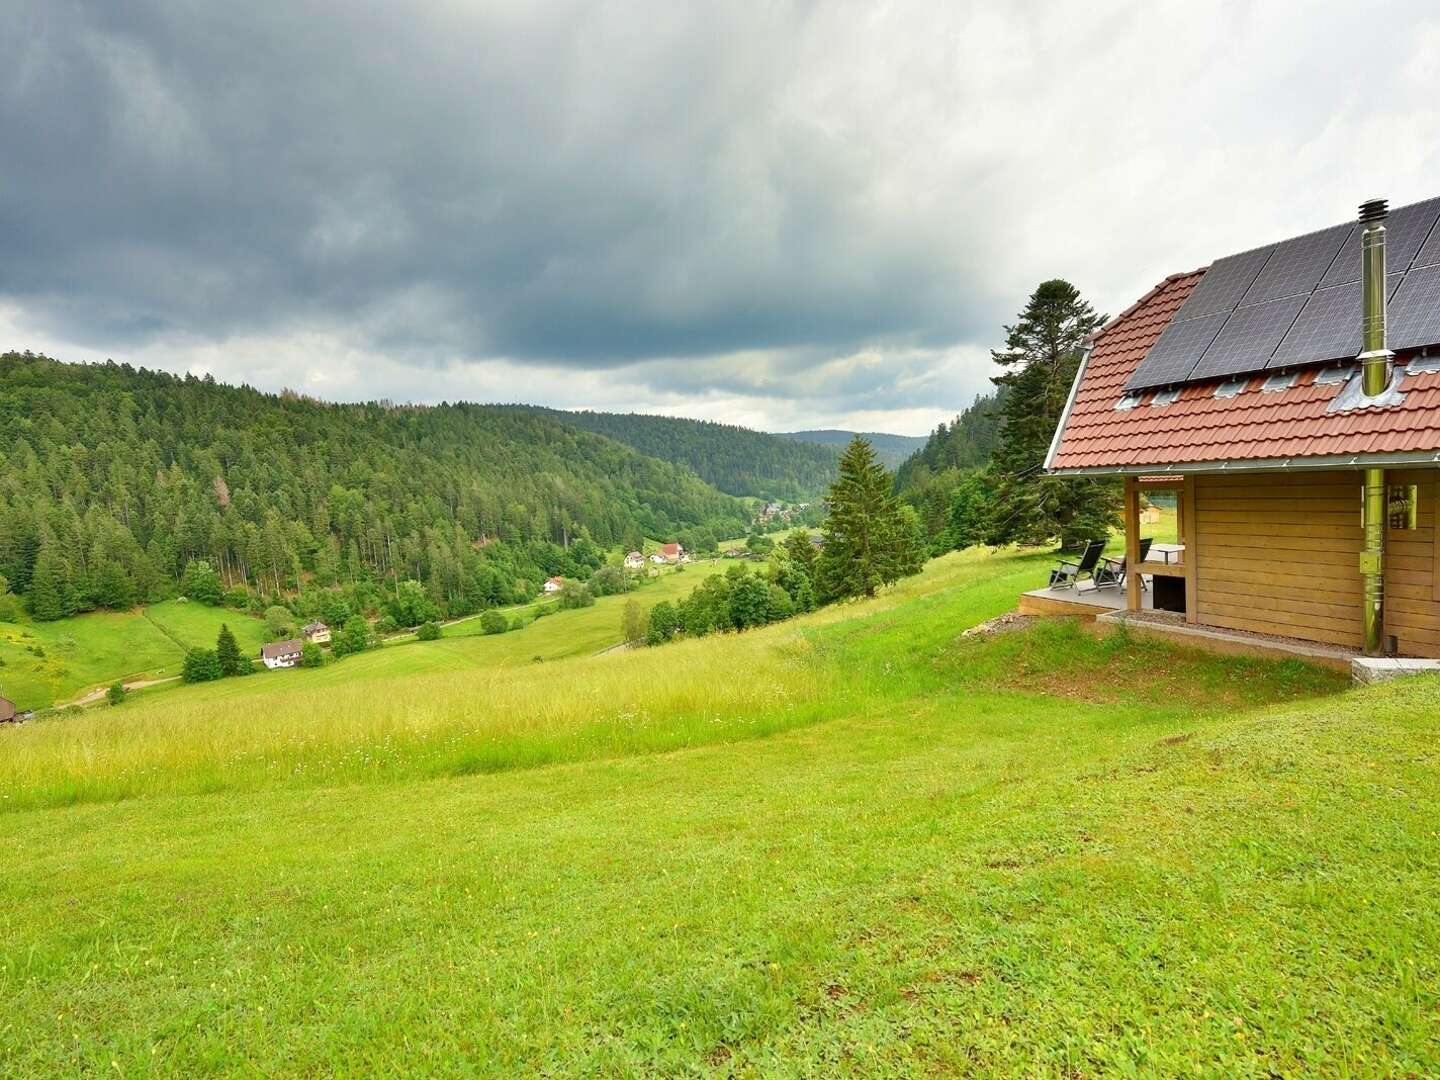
point(1242, 465)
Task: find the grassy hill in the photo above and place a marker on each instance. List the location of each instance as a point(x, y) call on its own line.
point(48, 663)
point(859, 843)
point(890, 449)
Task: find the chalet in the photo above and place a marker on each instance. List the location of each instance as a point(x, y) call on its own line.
point(282, 654)
point(634, 561)
point(8, 712)
point(672, 553)
point(553, 585)
point(317, 632)
point(1289, 398)
point(657, 558)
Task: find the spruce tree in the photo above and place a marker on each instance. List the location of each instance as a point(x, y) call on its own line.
point(227, 651)
point(52, 592)
point(867, 540)
point(1041, 355)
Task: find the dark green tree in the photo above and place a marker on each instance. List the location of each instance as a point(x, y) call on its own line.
point(201, 665)
point(749, 602)
point(52, 591)
point(227, 651)
point(664, 623)
point(866, 538)
point(116, 694)
point(494, 622)
point(311, 655)
point(201, 582)
point(1041, 355)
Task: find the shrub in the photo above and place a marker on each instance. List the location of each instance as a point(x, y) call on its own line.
point(116, 694)
point(201, 665)
point(493, 622)
point(429, 630)
point(576, 596)
point(311, 655)
point(279, 623)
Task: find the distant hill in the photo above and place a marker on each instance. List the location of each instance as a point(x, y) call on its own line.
point(890, 449)
point(966, 443)
point(736, 460)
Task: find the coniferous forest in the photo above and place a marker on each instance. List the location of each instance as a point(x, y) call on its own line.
point(114, 481)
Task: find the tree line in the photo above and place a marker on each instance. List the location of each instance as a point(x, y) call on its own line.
point(114, 480)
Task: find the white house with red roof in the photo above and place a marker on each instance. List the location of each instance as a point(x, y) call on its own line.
point(553, 585)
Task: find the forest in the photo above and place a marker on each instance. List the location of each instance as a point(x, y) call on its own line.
point(114, 480)
point(737, 460)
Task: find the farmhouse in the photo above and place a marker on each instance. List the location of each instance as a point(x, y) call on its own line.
point(634, 560)
point(1289, 398)
point(672, 553)
point(8, 713)
point(282, 654)
point(317, 632)
point(553, 585)
point(657, 558)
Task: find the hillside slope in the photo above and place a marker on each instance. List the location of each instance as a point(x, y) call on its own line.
point(737, 460)
point(112, 479)
point(890, 449)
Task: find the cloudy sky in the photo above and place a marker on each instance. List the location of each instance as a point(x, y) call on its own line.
point(778, 214)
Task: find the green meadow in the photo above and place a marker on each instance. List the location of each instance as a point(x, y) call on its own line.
point(861, 843)
point(49, 663)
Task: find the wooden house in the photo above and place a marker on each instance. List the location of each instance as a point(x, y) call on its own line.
point(1289, 396)
point(9, 714)
point(317, 632)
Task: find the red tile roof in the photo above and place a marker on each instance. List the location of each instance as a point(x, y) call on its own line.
point(670, 549)
point(1199, 428)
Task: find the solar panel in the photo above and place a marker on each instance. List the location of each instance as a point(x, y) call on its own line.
point(1248, 339)
point(1225, 283)
point(1328, 327)
point(1171, 359)
point(1414, 314)
point(1405, 231)
point(1297, 265)
point(1430, 252)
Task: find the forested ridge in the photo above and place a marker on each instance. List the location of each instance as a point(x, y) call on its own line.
point(113, 479)
point(890, 449)
point(737, 460)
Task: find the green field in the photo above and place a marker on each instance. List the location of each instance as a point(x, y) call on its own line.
point(858, 843)
point(99, 648)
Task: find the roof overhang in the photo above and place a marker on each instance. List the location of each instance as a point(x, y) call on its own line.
point(1410, 459)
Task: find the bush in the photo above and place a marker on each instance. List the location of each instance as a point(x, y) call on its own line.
point(576, 596)
point(429, 631)
point(611, 581)
point(279, 623)
point(493, 622)
point(201, 665)
point(116, 694)
point(311, 655)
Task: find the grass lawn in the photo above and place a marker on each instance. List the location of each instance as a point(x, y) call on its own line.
point(98, 648)
point(855, 844)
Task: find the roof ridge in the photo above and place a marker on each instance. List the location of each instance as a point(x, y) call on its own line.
point(1154, 291)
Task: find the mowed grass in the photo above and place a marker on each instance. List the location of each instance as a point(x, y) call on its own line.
point(1041, 854)
point(101, 647)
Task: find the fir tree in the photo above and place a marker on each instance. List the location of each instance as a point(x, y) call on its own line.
point(1041, 355)
point(227, 651)
point(866, 539)
point(52, 592)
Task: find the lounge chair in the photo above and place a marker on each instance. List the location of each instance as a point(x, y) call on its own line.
point(1068, 574)
point(1111, 572)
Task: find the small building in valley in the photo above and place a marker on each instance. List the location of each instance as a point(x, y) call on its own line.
point(317, 632)
point(657, 558)
point(672, 553)
point(634, 561)
point(282, 654)
point(9, 714)
point(553, 585)
point(1289, 397)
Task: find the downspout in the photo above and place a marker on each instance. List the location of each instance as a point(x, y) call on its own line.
point(1374, 361)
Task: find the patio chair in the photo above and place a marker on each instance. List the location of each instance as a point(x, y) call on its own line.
point(1111, 572)
point(1068, 574)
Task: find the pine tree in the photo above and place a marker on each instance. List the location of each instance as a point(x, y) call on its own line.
point(866, 539)
point(227, 650)
point(52, 592)
point(1042, 353)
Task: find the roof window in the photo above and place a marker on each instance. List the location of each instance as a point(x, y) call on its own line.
point(1165, 397)
point(1129, 401)
point(1230, 387)
point(1331, 375)
point(1279, 382)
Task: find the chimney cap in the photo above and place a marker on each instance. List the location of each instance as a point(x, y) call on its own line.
point(1374, 210)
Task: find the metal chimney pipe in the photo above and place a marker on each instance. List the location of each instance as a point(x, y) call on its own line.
point(1375, 379)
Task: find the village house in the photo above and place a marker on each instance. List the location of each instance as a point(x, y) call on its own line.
point(634, 561)
point(8, 712)
point(553, 585)
point(657, 558)
point(317, 632)
point(1289, 398)
point(672, 553)
point(282, 654)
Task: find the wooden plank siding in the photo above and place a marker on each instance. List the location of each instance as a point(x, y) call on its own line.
point(1412, 612)
point(1278, 554)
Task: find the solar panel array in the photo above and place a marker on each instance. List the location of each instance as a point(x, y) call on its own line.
point(1298, 302)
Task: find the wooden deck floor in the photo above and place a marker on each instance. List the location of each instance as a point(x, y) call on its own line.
point(1084, 601)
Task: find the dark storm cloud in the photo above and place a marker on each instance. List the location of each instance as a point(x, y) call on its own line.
point(582, 184)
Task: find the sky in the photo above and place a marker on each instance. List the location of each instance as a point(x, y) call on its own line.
point(783, 215)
